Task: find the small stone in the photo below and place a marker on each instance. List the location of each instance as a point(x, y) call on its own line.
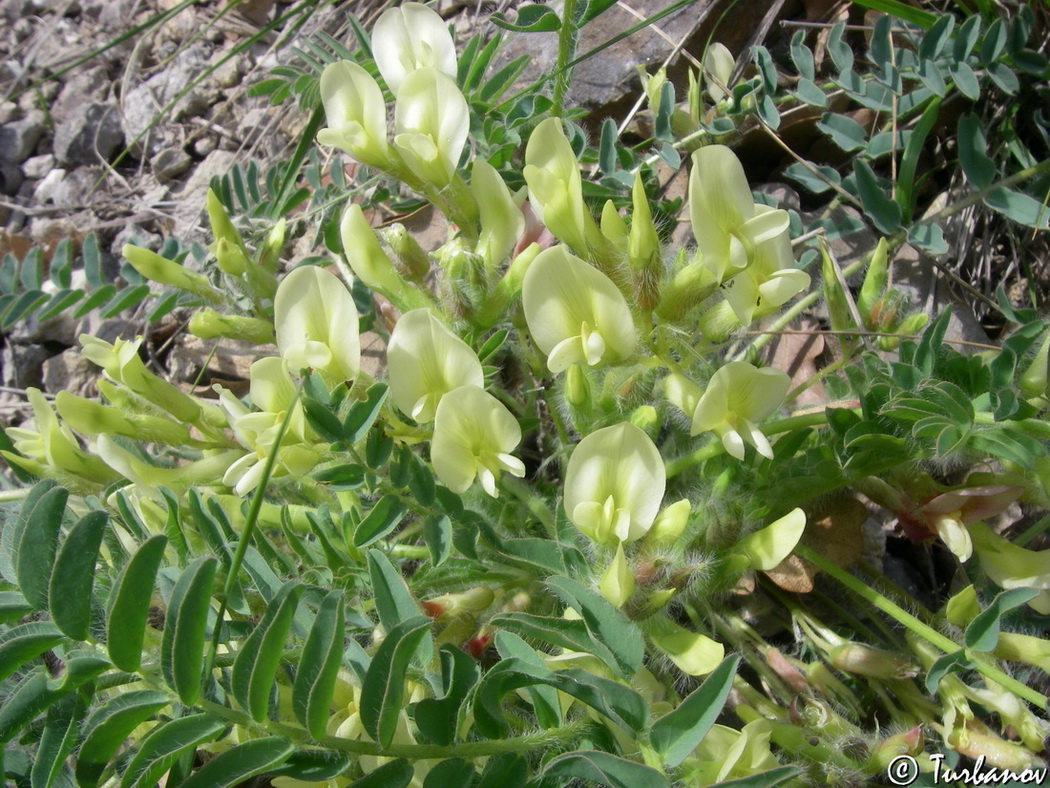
point(91, 131)
point(37, 167)
point(202, 147)
point(8, 112)
point(229, 74)
point(18, 139)
point(70, 371)
point(170, 163)
point(45, 190)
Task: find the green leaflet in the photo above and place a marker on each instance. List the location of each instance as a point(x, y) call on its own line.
point(129, 604)
point(437, 718)
point(394, 601)
point(619, 703)
point(109, 726)
point(182, 649)
point(314, 765)
point(12, 532)
point(384, 518)
point(74, 576)
point(452, 773)
point(165, 744)
point(606, 623)
point(545, 703)
point(437, 533)
point(384, 687)
point(236, 765)
point(677, 734)
point(362, 415)
point(24, 642)
point(508, 770)
point(37, 691)
point(259, 656)
point(983, 632)
point(319, 666)
point(36, 540)
point(58, 739)
point(573, 635)
point(604, 769)
point(396, 774)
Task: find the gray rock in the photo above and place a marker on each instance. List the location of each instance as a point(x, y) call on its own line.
point(202, 147)
point(133, 234)
point(10, 178)
point(92, 131)
point(144, 102)
point(70, 371)
point(191, 198)
point(21, 365)
point(18, 139)
point(170, 163)
point(85, 87)
point(71, 189)
point(231, 359)
point(108, 329)
point(37, 167)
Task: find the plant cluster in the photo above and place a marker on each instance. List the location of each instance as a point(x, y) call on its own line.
point(573, 533)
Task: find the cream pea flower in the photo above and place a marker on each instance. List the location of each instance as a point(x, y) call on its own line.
point(1010, 566)
point(718, 68)
point(575, 313)
point(949, 513)
point(614, 484)
point(50, 450)
point(431, 123)
point(693, 652)
point(356, 112)
point(474, 434)
point(426, 361)
point(410, 37)
point(502, 221)
point(730, 230)
point(738, 396)
point(555, 188)
point(771, 279)
point(316, 323)
point(766, 548)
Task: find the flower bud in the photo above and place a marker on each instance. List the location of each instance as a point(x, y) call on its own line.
point(643, 249)
point(617, 581)
point(270, 254)
point(409, 257)
point(670, 524)
point(502, 221)
point(356, 113)
point(876, 664)
point(645, 418)
point(92, 418)
point(167, 272)
point(1033, 381)
point(208, 324)
point(874, 281)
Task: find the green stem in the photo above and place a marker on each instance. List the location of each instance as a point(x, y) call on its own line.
point(14, 495)
point(906, 619)
point(249, 527)
point(566, 50)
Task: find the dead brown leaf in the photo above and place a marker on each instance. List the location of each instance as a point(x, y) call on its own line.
point(834, 531)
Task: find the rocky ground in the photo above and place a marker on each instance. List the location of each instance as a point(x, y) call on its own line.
point(116, 115)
